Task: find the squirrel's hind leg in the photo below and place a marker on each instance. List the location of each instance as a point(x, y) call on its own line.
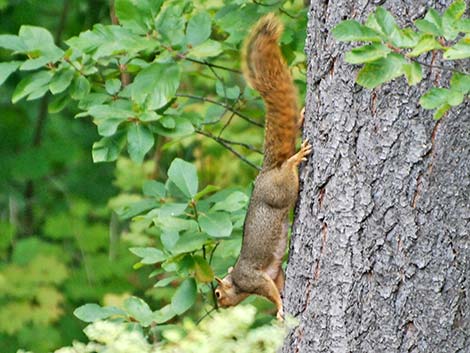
point(268, 289)
point(279, 280)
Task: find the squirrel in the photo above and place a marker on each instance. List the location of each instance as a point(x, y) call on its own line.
point(258, 269)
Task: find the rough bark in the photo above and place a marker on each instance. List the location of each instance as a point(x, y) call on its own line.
point(380, 251)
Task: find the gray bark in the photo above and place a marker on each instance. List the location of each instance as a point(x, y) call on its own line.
point(380, 251)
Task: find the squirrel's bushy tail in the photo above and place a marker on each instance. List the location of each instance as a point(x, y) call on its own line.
point(267, 72)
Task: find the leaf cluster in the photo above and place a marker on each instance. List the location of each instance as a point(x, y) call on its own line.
point(393, 51)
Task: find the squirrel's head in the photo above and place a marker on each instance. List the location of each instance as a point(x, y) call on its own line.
point(226, 292)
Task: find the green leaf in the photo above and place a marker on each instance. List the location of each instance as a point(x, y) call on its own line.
point(61, 81)
point(386, 22)
point(140, 141)
point(209, 48)
point(234, 202)
point(199, 29)
point(189, 242)
point(107, 149)
point(38, 39)
point(463, 25)
point(12, 42)
point(428, 27)
point(461, 50)
point(229, 92)
point(165, 281)
point(184, 176)
point(149, 255)
point(454, 11)
point(164, 314)
point(353, 31)
point(137, 15)
point(455, 98)
point(133, 209)
point(171, 209)
point(406, 38)
point(367, 53)
point(450, 17)
point(425, 44)
point(434, 98)
point(460, 82)
point(156, 85)
point(6, 69)
point(216, 224)
point(35, 37)
point(182, 128)
point(439, 113)
point(80, 88)
point(203, 271)
point(139, 310)
point(58, 103)
point(112, 86)
point(207, 190)
point(169, 239)
point(154, 189)
point(184, 297)
point(31, 84)
point(413, 73)
point(433, 17)
point(33, 64)
point(94, 312)
point(170, 24)
point(380, 71)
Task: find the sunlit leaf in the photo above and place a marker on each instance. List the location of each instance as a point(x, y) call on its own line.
point(380, 71)
point(184, 176)
point(353, 31)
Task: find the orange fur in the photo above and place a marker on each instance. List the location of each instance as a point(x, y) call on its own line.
point(267, 72)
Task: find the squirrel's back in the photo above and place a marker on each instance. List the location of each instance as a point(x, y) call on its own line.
point(267, 72)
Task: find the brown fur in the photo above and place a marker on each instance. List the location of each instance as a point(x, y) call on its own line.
point(258, 268)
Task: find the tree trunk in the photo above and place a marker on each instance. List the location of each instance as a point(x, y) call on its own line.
point(380, 251)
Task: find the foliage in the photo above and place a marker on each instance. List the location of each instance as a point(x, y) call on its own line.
point(228, 331)
point(164, 88)
point(393, 52)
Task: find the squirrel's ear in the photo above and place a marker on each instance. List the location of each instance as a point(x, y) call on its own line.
point(230, 269)
point(218, 279)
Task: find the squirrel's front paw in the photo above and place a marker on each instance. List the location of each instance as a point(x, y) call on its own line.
point(280, 314)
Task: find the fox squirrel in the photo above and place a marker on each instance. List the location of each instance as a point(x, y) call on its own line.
point(258, 268)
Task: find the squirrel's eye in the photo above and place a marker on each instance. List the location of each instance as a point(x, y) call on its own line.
point(217, 294)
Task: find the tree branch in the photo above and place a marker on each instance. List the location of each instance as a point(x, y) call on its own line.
point(227, 146)
point(204, 62)
point(221, 139)
point(229, 108)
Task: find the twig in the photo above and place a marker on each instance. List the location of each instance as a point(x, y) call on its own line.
point(288, 14)
point(227, 146)
point(226, 124)
point(229, 108)
point(433, 66)
point(221, 139)
point(212, 252)
point(204, 62)
point(205, 315)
